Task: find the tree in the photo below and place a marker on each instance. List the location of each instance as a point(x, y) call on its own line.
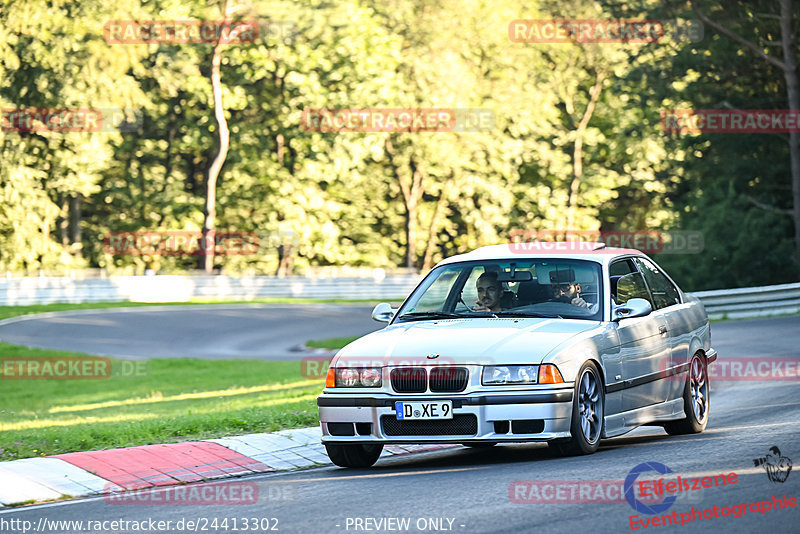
point(789, 67)
point(228, 11)
point(52, 57)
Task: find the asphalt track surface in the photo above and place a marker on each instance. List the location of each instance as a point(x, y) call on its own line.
point(217, 331)
point(471, 487)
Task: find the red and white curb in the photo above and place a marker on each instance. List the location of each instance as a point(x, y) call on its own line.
point(79, 474)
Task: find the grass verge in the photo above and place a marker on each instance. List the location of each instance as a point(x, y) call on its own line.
point(158, 401)
point(331, 343)
point(162, 401)
point(14, 311)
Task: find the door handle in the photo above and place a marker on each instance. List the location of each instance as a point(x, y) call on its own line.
point(662, 329)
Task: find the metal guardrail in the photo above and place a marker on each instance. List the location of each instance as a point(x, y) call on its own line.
point(41, 290)
point(730, 303)
point(751, 301)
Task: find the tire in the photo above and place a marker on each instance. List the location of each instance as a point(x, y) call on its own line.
point(696, 400)
point(353, 455)
point(588, 403)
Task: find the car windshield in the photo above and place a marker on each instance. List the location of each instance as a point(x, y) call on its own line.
point(553, 288)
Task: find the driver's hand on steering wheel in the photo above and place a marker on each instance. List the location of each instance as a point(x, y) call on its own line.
point(577, 301)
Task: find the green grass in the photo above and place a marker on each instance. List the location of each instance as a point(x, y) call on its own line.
point(330, 343)
point(14, 311)
point(169, 400)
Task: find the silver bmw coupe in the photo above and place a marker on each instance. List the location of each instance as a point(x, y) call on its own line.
point(558, 344)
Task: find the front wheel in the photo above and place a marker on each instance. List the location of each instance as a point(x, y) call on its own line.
point(353, 455)
point(587, 414)
point(695, 401)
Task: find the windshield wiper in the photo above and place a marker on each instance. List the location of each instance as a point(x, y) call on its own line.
point(429, 315)
point(526, 314)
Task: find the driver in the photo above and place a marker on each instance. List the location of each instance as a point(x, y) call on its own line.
point(566, 289)
point(490, 292)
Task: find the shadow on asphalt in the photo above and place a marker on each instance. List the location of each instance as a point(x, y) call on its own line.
point(621, 442)
point(499, 454)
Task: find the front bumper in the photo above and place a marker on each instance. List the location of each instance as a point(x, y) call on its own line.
point(521, 415)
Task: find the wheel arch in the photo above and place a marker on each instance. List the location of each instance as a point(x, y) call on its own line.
point(601, 370)
point(702, 353)
point(696, 345)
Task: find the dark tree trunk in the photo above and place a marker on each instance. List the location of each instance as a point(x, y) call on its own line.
point(210, 211)
point(63, 219)
point(75, 219)
point(789, 43)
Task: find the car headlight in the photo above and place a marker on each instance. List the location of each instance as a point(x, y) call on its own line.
point(499, 375)
point(369, 377)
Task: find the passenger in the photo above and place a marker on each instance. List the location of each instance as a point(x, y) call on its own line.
point(566, 289)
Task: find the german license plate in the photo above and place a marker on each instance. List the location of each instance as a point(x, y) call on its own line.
point(424, 410)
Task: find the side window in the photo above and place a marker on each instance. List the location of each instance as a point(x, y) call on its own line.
point(620, 267)
point(664, 293)
point(632, 286)
point(616, 271)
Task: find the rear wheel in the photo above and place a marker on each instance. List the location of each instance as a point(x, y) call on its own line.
point(353, 455)
point(587, 414)
point(695, 400)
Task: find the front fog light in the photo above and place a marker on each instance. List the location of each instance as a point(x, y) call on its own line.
point(500, 375)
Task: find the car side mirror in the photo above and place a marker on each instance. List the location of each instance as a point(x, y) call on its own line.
point(383, 312)
point(633, 308)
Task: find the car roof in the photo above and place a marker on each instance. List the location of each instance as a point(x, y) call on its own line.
point(596, 252)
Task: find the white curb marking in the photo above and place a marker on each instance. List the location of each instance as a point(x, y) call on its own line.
point(15, 488)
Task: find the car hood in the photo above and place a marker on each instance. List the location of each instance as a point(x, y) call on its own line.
point(462, 341)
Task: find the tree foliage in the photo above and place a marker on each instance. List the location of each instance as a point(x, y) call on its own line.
point(575, 142)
